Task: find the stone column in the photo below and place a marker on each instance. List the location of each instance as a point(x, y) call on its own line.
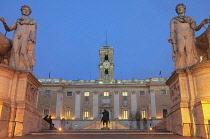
point(77, 105)
point(102, 58)
point(101, 73)
point(95, 105)
point(111, 73)
point(59, 104)
point(116, 105)
point(133, 104)
point(111, 58)
point(152, 103)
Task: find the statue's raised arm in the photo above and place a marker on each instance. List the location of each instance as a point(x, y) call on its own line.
point(7, 28)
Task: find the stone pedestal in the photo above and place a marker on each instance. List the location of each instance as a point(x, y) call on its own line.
point(104, 128)
point(190, 100)
point(18, 95)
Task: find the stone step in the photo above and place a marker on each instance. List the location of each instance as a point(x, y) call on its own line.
point(103, 132)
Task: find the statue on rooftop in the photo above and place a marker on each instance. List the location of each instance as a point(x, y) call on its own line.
point(183, 41)
point(24, 39)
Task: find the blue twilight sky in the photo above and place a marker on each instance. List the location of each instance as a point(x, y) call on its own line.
point(70, 33)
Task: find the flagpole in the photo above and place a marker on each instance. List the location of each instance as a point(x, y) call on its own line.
point(49, 75)
point(160, 74)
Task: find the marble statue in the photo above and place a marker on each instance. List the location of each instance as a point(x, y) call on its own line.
point(182, 29)
point(24, 39)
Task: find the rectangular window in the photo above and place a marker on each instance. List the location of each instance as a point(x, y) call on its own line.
point(87, 94)
point(86, 114)
point(163, 92)
point(68, 94)
point(106, 93)
point(47, 93)
point(142, 93)
point(106, 58)
point(124, 93)
point(143, 114)
point(68, 114)
point(46, 111)
point(125, 114)
point(165, 112)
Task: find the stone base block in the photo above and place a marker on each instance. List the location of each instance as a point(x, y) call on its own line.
point(4, 123)
point(104, 128)
point(18, 94)
point(190, 100)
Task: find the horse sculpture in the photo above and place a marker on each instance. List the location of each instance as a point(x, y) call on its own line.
point(203, 44)
point(5, 49)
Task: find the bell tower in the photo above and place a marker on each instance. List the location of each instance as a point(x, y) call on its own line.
point(106, 65)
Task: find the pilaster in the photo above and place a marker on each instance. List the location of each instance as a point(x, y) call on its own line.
point(95, 105)
point(59, 104)
point(116, 105)
point(133, 104)
point(77, 104)
point(152, 103)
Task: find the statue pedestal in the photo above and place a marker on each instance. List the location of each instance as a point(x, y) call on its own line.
point(104, 128)
point(18, 98)
point(190, 100)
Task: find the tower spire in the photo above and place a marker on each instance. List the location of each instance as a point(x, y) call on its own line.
point(106, 42)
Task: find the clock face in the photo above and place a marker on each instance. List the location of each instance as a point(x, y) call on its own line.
point(106, 64)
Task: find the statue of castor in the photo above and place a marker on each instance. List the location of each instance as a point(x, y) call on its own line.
point(5, 49)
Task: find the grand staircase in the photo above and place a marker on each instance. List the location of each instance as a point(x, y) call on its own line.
point(93, 130)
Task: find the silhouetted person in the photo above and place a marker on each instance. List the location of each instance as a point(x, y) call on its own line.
point(46, 118)
point(138, 116)
point(50, 121)
point(145, 123)
point(105, 117)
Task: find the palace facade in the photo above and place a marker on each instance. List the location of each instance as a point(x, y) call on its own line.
point(78, 104)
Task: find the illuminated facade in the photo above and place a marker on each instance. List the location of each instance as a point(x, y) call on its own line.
point(80, 102)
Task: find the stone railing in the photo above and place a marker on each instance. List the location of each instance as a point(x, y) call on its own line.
point(161, 125)
point(100, 82)
point(45, 125)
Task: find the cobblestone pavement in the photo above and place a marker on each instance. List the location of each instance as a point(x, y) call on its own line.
point(99, 134)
